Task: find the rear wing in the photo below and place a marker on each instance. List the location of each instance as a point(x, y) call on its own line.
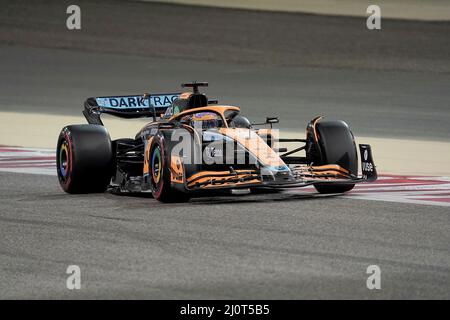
point(132, 106)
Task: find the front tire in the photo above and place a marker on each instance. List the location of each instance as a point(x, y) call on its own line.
point(159, 170)
point(335, 145)
point(84, 159)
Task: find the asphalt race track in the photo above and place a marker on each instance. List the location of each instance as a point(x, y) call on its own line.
point(276, 246)
point(288, 245)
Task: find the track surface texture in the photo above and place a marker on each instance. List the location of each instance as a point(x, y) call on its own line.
point(226, 35)
point(251, 247)
point(392, 83)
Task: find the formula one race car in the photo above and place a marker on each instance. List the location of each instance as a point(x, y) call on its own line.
point(198, 147)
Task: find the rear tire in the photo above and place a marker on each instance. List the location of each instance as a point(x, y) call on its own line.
point(84, 158)
point(159, 170)
point(336, 145)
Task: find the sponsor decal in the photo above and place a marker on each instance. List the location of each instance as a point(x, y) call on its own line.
point(367, 163)
point(136, 102)
point(367, 167)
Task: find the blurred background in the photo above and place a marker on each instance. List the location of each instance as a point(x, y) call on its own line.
point(292, 59)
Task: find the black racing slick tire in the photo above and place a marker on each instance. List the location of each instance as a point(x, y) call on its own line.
point(84, 158)
point(336, 145)
point(159, 171)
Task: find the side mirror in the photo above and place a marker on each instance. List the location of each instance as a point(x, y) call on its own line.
point(272, 120)
point(269, 120)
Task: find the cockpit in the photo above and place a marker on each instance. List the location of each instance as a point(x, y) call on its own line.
point(203, 120)
point(209, 115)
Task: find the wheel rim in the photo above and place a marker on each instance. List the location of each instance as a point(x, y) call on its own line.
point(64, 160)
point(156, 165)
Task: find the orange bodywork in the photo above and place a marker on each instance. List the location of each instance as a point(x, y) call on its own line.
point(216, 109)
point(247, 138)
point(176, 169)
point(330, 167)
point(329, 171)
point(314, 122)
point(147, 156)
point(210, 179)
point(255, 144)
point(185, 95)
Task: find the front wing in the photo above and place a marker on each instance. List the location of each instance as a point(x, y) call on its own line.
point(302, 175)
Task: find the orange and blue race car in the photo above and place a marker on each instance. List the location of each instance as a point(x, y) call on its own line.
point(194, 146)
